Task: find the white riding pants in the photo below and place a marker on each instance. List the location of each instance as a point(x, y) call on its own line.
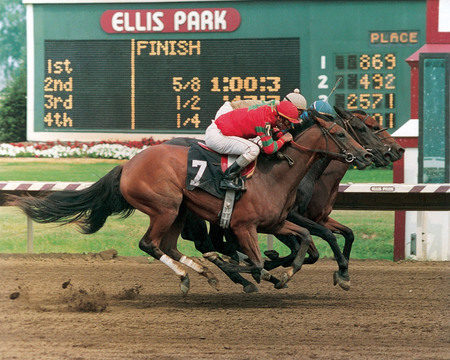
point(225, 108)
point(233, 145)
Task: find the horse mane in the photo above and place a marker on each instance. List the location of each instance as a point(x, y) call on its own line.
point(359, 112)
point(304, 124)
point(310, 120)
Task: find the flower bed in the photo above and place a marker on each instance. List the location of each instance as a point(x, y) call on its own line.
point(76, 149)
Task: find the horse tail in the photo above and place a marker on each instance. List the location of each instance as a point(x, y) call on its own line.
point(88, 208)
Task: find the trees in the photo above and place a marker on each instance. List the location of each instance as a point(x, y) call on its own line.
point(13, 109)
point(12, 37)
point(12, 71)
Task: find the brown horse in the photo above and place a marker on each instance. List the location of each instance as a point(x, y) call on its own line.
point(154, 182)
point(195, 229)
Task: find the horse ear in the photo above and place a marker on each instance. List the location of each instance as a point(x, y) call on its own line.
point(313, 112)
point(341, 112)
point(316, 114)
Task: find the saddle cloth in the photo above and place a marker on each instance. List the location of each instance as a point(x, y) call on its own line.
point(205, 169)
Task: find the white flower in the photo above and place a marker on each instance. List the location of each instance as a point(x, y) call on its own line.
point(106, 151)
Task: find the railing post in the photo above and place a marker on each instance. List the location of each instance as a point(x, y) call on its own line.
point(29, 235)
point(269, 242)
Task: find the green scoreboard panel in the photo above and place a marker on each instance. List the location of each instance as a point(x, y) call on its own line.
point(160, 85)
point(127, 70)
point(369, 83)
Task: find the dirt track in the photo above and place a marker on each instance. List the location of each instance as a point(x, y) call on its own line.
point(392, 311)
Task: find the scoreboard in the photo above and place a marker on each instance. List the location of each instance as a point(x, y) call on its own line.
point(128, 70)
point(175, 85)
point(369, 84)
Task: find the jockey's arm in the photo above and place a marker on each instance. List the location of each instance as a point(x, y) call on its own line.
point(269, 145)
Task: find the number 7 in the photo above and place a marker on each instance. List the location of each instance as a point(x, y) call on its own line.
point(201, 164)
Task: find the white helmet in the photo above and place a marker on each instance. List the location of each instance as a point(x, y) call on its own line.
point(297, 99)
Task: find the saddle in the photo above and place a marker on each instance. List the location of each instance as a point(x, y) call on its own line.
point(205, 168)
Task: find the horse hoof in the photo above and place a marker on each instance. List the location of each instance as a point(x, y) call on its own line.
point(343, 283)
point(251, 288)
point(211, 256)
point(280, 285)
point(257, 277)
point(283, 281)
point(272, 254)
point(214, 283)
point(185, 285)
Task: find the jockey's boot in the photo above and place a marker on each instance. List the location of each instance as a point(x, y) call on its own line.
point(232, 173)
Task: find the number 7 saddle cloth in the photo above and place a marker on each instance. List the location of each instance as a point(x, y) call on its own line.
point(205, 169)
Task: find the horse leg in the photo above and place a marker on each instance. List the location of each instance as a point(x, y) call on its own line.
point(195, 229)
point(291, 242)
point(160, 224)
point(341, 276)
point(300, 220)
point(230, 248)
point(169, 246)
point(313, 254)
point(248, 241)
point(196, 266)
point(345, 231)
point(305, 240)
point(247, 286)
point(146, 245)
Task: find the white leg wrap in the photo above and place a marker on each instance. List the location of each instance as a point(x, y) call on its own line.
point(173, 265)
point(192, 264)
point(265, 274)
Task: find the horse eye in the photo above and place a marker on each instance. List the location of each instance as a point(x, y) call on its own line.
point(376, 128)
point(341, 135)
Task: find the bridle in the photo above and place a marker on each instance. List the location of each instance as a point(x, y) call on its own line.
point(349, 157)
point(375, 132)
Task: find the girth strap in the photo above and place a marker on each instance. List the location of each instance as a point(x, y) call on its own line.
point(227, 210)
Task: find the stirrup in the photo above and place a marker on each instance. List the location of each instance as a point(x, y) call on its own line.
point(226, 184)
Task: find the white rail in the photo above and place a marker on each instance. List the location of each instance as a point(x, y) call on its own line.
point(420, 197)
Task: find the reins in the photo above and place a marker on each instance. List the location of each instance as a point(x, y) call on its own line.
point(376, 132)
point(349, 157)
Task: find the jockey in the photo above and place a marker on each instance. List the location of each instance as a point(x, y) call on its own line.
point(229, 134)
point(298, 100)
point(322, 107)
point(294, 97)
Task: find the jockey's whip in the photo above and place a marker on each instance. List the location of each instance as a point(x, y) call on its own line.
point(336, 84)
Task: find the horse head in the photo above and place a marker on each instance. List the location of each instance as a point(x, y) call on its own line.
point(335, 144)
point(393, 150)
point(364, 136)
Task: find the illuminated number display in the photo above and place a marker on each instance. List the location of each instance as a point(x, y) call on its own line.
point(160, 85)
point(369, 84)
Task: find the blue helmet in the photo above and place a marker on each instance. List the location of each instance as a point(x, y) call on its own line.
point(322, 107)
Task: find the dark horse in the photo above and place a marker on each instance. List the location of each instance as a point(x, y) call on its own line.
point(312, 208)
point(308, 197)
point(316, 215)
point(153, 182)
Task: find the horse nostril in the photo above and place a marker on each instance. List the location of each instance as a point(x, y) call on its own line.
point(368, 156)
point(401, 150)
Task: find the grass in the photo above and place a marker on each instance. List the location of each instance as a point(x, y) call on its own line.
point(29, 169)
point(373, 230)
